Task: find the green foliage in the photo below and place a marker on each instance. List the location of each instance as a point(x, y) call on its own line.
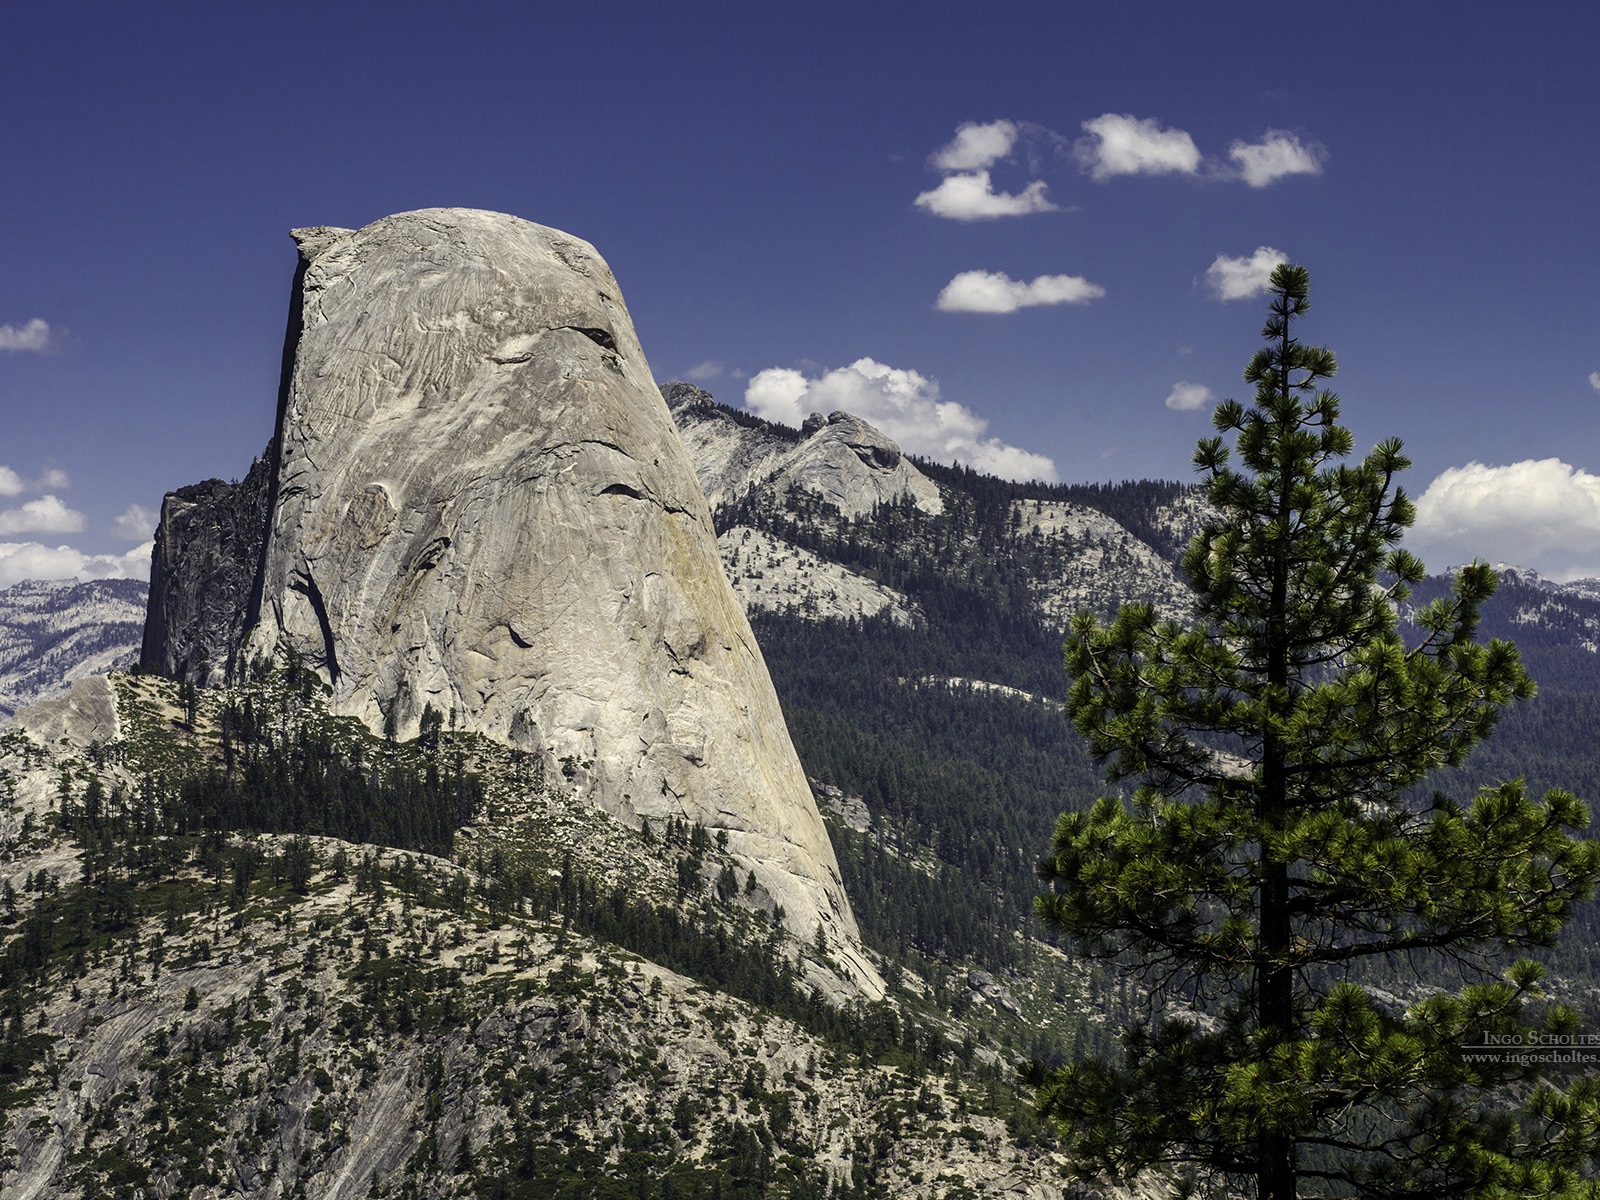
point(1274, 852)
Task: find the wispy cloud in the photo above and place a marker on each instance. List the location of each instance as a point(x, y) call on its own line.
point(976, 146)
point(136, 524)
point(1120, 144)
point(1242, 278)
point(710, 369)
point(904, 404)
point(971, 197)
point(994, 292)
point(1594, 380)
point(10, 482)
point(33, 560)
point(1529, 513)
point(1275, 156)
point(1186, 397)
point(44, 515)
point(35, 336)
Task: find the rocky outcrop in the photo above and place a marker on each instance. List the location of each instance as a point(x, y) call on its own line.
point(208, 548)
point(854, 467)
point(840, 459)
point(85, 715)
point(1105, 566)
point(769, 574)
point(481, 507)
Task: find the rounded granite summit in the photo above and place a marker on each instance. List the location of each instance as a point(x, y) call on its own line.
point(481, 505)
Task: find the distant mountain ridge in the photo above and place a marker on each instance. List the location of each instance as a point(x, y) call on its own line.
point(56, 631)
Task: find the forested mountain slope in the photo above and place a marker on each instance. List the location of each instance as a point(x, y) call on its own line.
point(948, 726)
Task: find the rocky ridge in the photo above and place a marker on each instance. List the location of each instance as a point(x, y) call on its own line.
point(842, 465)
point(770, 574)
point(840, 459)
point(55, 632)
point(378, 1022)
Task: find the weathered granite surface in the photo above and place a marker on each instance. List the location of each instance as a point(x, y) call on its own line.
point(86, 714)
point(482, 506)
point(208, 548)
point(839, 458)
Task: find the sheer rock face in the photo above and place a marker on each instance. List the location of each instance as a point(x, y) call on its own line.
point(482, 506)
point(208, 547)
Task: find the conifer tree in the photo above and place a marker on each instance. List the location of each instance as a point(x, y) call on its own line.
point(1270, 862)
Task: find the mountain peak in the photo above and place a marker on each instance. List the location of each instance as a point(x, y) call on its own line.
point(480, 509)
point(841, 459)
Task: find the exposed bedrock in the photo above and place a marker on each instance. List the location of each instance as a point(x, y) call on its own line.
point(207, 549)
point(482, 506)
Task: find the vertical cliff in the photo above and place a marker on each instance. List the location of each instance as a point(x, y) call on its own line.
point(477, 503)
point(207, 553)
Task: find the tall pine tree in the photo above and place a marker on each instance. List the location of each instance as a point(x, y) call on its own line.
point(1272, 860)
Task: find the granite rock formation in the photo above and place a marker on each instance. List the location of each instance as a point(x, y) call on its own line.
point(840, 459)
point(479, 505)
point(208, 548)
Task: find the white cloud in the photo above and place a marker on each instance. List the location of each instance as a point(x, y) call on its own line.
point(904, 404)
point(31, 560)
point(1528, 513)
point(1120, 144)
point(1242, 278)
point(1594, 380)
point(976, 147)
point(971, 197)
point(34, 336)
point(994, 292)
point(1186, 397)
point(53, 480)
point(1276, 155)
point(44, 515)
point(10, 482)
point(137, 524)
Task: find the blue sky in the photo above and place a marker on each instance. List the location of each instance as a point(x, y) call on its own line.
point(799, 221)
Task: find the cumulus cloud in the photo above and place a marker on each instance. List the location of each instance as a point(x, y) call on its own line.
point(53, 480)
point(44, 515)
point(904, 404)
point(994, 292)
point(1119, 144)
point(1528, 513)
point(976, 146)
point(1242, 278)
point(32, 560)
point(1186, 397)
point(971, 197)
point(136, 524)
point(1276, 155)
point(35, 336)
point(10, 482)
point(1594, 380)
